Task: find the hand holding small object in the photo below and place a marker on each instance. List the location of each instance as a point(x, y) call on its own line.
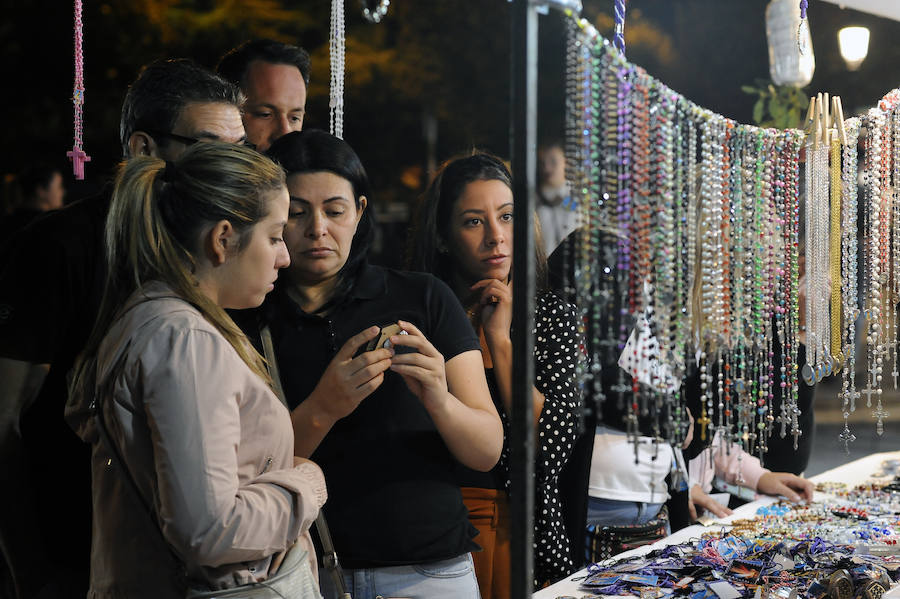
point(348, 380)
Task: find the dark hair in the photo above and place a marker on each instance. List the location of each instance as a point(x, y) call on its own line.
point(233, 66)
point(313, 150)
point(163, 88)
point(35, 176)
point(433, 216)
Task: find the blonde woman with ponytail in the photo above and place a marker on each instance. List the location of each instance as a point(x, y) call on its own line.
point(195, 484)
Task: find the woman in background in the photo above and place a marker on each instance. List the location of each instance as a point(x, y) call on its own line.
point(464, 235)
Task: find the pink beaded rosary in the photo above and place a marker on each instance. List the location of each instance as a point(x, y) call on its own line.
point(77, 154)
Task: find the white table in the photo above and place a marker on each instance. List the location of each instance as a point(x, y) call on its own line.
point(853, 473)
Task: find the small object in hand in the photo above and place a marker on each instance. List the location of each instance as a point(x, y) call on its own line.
point(493, 300)
point(383, 340)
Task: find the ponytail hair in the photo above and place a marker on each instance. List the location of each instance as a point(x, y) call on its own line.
point(158, 212)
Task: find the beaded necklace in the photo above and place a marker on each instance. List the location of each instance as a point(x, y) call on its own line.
point(692, 195)
point(884, 199)
point(817, 264)
point(577, 143)
point(336, 53)
point(895, 245)
point(834, 256)
point(849, 252)
point(790, 348)
point(873, 232)
point(77, 154)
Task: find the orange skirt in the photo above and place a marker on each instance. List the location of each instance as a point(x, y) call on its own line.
point(489, 513)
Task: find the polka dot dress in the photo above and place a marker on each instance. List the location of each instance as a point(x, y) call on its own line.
point(556, 352)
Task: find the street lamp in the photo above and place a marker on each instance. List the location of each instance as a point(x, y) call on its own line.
point(854, 44)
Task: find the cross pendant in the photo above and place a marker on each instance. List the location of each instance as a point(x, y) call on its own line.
point(78, 158)
point(868, 392)
point(704, 421)
point(846, 437)
point(621, 388)
point(880, 414)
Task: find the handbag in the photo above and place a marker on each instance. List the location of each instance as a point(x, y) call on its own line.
point(293, 580)
point(603, 542)
point(329, 555)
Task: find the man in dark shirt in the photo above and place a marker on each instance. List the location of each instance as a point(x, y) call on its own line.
point(51, 283)
point(273, 77)
point(42, 189)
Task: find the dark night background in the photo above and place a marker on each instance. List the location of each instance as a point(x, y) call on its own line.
point(447, 61)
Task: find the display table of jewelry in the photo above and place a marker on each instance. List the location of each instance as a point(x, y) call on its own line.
point(850, 512)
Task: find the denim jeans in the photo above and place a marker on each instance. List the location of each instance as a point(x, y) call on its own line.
point(446, 579)
point(611, 512)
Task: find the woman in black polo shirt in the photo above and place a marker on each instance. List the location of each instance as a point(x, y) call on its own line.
point(387, 428)
point(464, 236)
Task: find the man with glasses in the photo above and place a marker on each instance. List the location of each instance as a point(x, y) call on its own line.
point(51, 282)
point(273, 77)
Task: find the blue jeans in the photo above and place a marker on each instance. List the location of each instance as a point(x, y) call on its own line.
point(611, 512)
point(446, 579)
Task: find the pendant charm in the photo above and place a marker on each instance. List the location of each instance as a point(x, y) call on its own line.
point(808, 376)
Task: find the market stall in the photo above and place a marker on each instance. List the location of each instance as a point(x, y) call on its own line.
point(880, 469)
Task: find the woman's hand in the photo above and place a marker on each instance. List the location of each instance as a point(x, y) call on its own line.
point(788, 485)
point(423, 370)
point(697, 498)
point(348, 380)
point(494, 304)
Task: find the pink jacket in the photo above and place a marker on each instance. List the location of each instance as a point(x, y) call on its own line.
point(726, 463)
point(211, 449)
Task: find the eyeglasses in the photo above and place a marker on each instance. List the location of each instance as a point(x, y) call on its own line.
point(189, 141)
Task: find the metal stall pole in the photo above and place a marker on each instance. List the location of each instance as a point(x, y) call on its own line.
point(523, 143)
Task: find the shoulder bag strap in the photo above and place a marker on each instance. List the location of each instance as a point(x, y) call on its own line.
point(330, 557)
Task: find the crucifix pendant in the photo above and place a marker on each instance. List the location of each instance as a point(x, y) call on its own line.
point(868, 392)
point(704, 422)
point(78, 158)
point(879, 414)
point(846, 437)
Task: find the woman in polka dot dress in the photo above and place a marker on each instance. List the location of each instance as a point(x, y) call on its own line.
point(464, 235)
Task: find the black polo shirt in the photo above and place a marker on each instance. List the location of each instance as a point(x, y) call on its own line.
point(392, 495)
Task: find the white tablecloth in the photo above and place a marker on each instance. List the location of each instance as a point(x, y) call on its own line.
point(853, 473)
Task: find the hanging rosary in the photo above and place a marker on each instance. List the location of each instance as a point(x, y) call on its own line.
point(849, 270)
point(336, 53)
point(77, 154)
point(690, 244)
